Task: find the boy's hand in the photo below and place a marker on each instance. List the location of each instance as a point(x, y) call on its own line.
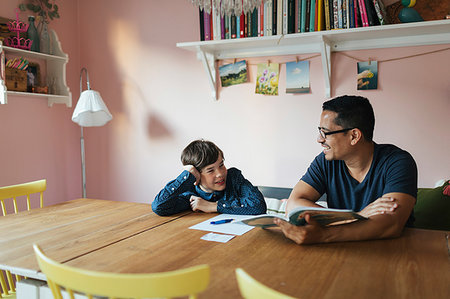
point(194, 172)
point(198, 204)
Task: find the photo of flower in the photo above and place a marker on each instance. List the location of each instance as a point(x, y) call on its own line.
point(367, 77)
point(267, 79)
point(233, 73)
point(297, 77)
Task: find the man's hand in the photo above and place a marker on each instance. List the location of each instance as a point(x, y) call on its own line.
point(311, 232)
point(198, 204)
point(383, 205)
point(194, 171)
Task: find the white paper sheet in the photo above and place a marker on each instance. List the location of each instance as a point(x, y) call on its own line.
point(217, 237)
point(226, 228)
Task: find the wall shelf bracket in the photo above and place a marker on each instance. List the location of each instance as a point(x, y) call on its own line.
point(325, 51)
point(209, 63)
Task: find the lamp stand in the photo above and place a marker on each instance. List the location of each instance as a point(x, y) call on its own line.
point(83, 164)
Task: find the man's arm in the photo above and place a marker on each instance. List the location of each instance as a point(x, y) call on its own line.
point(384, 223)
point(302, 195)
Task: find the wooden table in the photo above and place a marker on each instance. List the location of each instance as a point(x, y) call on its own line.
point(416, 265)
point(70, 229)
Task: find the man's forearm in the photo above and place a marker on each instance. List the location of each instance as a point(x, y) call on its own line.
point(377, 227)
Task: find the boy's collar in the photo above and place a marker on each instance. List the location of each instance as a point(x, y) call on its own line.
point(207, 195)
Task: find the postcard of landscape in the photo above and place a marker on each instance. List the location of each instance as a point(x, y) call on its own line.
point(233, 73)
point(297, 77)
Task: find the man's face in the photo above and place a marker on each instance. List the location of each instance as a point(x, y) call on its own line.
point(213, 177)
point(336, 146)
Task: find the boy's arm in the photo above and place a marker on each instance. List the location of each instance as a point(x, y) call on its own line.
point(242, 198)
point(174, 197)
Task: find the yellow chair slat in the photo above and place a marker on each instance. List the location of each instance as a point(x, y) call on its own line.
point(12, 193)
point(23, 189)
point(250, 288)
point(190, 281)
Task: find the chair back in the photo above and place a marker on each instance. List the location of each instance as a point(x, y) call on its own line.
point(25, 189)
point(8, 194)
point(253, 289)
point(185, 282)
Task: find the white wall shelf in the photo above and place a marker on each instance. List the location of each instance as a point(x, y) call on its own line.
point(323, 42)
point(55, 68)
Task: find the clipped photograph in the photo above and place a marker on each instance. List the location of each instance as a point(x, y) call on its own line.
point(367, 77)
point(267, 79)
point(233, 73)
point(297, 77)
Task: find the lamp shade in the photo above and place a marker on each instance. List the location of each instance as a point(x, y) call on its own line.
point(91, 111)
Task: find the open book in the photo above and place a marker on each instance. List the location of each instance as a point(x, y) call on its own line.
point(323, 216)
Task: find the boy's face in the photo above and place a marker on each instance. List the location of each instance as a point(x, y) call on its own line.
point(213, 177)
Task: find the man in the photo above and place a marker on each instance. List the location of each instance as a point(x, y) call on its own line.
point(379, 181)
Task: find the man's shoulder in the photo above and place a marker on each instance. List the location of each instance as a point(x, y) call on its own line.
point(391, 151)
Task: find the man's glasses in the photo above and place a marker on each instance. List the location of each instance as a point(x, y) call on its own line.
point(324, 134)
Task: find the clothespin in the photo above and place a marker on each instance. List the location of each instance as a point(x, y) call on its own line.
point(234, 61)
point(268, 62)
point(296, 59)
point(370, 60)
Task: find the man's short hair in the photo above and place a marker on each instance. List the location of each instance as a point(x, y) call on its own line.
point(353, 112)
point(200, 153)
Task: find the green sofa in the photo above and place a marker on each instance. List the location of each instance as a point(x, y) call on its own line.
point(432, 209)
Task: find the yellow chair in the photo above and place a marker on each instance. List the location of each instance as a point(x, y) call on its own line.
point(26, 189)
point(185, 282)
point(11, 194)
point(253, 289)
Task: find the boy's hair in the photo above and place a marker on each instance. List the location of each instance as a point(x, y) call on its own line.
point(200, 153)
point(353, 112)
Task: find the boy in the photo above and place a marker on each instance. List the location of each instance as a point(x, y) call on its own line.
point(207, 186)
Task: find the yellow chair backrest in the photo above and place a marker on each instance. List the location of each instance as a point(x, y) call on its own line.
point(7, 283)
point(253, 289)
point(185, 282)
point(26, 189)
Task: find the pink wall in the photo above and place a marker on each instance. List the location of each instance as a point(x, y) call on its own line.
point(37, 141)
point(160, 100)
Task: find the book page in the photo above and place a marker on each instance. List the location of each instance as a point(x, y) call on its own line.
point(263, 221)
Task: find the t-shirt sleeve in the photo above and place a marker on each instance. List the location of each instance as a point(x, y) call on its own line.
point(401, 175)
point(315, 175)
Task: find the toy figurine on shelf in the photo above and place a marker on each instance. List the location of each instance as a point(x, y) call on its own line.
point(408, 14)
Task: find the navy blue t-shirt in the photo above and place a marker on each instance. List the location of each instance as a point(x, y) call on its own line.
point(392, 170)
